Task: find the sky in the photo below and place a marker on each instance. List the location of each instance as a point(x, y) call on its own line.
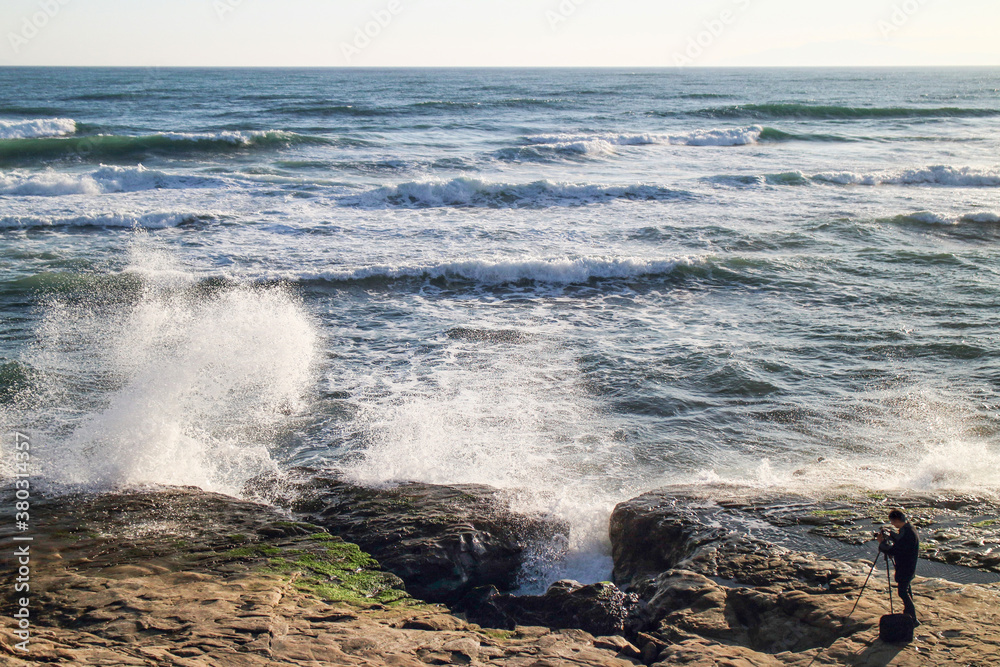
point(488, 33)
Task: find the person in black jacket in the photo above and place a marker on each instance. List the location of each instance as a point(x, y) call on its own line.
point(903, 547)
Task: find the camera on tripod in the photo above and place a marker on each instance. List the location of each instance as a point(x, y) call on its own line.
point(883, 532)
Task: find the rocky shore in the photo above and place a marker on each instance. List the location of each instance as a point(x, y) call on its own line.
point(328, 573)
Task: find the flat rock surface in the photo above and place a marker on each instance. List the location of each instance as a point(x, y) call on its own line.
point(957, 529)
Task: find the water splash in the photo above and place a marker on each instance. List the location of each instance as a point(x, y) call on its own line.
point(512, 416)
point(172, 381)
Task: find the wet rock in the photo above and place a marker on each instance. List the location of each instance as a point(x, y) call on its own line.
point(651, 533)
point(600, 609)
point(443, 541)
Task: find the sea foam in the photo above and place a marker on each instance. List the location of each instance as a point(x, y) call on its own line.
point(517, 419)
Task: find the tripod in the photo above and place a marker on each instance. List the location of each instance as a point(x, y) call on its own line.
point(888, 579)
point(862, 593)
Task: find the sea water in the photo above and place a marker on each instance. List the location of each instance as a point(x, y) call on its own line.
point(576, 285)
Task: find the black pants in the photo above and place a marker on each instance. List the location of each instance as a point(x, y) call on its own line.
point(906, 594)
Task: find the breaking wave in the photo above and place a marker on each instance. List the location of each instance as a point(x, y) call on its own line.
point(941, 176)
point(31, 129)
point(154, 220)
point(932, 218)
point(170, 383)
point(728, 137)
point(770, 134)
point(964, 177)
point(107, 146)
point(474, 193)
point(558, 271)
point(546, 146)
point(102, 181)
point(831, 112)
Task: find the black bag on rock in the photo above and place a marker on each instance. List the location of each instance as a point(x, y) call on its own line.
point(896, 629)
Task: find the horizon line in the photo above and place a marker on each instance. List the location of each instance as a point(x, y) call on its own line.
point(521, 67)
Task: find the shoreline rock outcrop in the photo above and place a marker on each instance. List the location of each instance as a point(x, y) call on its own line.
point(715, 591)
point(442, 541)
point(178, 576)
point(181, 577)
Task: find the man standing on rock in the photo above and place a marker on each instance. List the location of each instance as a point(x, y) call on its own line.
point(903, 547)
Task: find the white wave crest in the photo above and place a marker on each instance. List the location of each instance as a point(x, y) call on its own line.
point(729, 137)
point(948, 219)
point(470, 192)
point(236, 138)
point(930, 218)
point(964, 177)
point(846, 178)
point(613, 139)
point(154, 220)
point(599, 144)
point(40, 127)
point(585, 144)
point(102, 181)
point(982, 218)
point(559, 271)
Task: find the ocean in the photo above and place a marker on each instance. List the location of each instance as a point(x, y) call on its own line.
point(578, 285)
